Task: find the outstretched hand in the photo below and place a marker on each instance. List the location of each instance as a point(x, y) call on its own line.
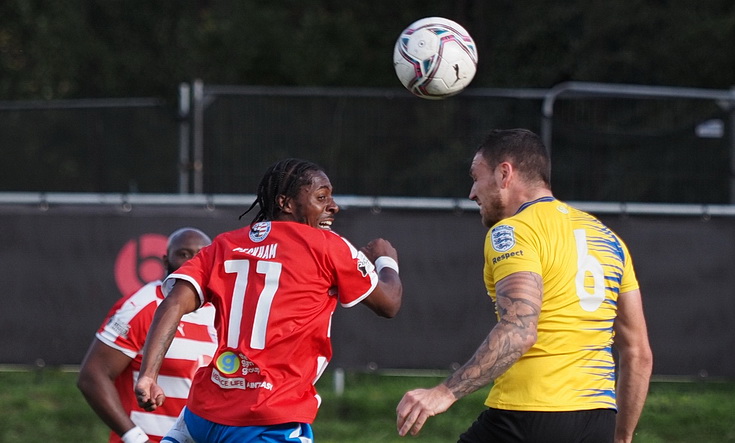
point(150, 396)
point(420, 404)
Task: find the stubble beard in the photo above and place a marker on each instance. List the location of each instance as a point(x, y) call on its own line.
point(493, 210)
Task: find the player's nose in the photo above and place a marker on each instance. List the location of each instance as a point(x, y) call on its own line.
point(333, 207)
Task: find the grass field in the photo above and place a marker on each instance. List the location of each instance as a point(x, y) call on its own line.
point(46, 407)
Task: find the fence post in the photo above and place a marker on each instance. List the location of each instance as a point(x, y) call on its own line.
point(198, 136)
point(184, 137)
point(339, 382)
point(731, 109)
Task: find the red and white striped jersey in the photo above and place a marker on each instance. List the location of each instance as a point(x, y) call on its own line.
point(275, 287)
point(125, 329)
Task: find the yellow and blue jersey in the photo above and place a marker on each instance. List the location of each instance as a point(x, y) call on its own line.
point(583, 266)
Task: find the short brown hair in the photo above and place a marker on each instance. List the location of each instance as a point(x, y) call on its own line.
point(523, 149)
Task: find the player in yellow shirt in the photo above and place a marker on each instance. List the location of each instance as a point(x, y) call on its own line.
point(565, 292)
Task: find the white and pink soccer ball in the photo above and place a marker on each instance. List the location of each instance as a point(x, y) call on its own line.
point(435, 58)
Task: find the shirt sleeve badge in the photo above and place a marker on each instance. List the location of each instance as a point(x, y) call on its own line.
point(364, 265)
point(502, 238)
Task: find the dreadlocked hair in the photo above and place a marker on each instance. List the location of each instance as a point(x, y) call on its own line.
point(285, 177)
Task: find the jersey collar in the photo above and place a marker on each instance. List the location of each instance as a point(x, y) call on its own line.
point(538, 200)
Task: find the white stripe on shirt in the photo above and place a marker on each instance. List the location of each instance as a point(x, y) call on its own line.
point(174, 387)
point(186, 349)
point(152, 424)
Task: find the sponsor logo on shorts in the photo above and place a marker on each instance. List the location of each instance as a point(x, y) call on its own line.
point(502, 238)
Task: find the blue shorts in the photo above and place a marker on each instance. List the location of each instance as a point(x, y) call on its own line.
point(200, 430)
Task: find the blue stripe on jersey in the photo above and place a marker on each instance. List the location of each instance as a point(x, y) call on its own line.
point(538, 200)
point(607, 349)
point(606, 244)
point(606, 366)
point(604, 397)
point(615, 278)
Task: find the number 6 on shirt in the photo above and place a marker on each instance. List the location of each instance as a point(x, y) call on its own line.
point(588, 265)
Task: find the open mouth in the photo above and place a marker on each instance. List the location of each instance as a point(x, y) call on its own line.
point(325, 224)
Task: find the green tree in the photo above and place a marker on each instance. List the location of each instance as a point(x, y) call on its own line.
point(84, 48)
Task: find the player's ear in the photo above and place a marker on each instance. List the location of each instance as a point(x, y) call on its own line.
point(504, 172)
point(284, 204)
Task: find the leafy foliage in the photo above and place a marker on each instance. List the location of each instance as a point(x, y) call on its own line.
point(84, 49)
point(71, 49)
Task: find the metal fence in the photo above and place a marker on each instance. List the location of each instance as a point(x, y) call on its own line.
point(371, 141)
point(101, 145)
point(611, 143)
point(641, 143)
point(68, 257)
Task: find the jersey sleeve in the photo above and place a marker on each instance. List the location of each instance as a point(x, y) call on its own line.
point(354, 273)
point(629, 281)
point(127, 324)
point(509, 248)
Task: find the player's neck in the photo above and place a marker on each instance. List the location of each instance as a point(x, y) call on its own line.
point(524, 198)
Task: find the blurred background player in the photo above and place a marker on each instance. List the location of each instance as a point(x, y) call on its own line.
point(110, 368)
point(275, 285)
point(563, 285)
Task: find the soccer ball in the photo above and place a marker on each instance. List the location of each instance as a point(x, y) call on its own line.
point(435, 58)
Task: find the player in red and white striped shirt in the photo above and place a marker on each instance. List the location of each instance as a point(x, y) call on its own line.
point(275, 285)
point(109, 370)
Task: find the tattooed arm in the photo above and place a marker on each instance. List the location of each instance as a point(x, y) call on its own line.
point(519, 305)
point(518, 302)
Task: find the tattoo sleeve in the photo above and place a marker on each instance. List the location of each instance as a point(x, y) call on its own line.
point(518, 302)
